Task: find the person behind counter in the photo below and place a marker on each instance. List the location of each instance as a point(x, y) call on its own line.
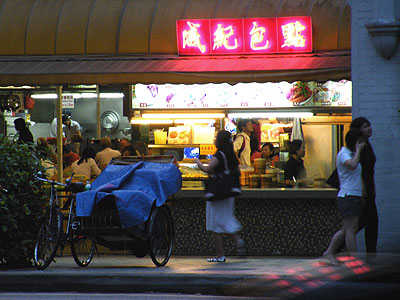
point(103, 157)
point(241, 145)
point(220, 217)
point(294, 167)
point(267, 152)
point(86, 165)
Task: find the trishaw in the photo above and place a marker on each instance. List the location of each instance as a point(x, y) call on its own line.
point(126, 206)
point(125, 209)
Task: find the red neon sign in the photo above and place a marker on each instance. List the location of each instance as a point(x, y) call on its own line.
point(226, 36)
point(294, 34)
point(244, 36)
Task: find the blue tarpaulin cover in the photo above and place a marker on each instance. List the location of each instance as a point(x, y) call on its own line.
point(135, 187)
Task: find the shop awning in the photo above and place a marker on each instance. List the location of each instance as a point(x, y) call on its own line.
point(157, 69)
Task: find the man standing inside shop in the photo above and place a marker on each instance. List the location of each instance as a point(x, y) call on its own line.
point(241, 145)
point(71, 128)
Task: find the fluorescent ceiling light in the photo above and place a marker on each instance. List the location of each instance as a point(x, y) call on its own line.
point(111, 95)
point(17, 87)
point(44, 96)
point(183, 116)
point(78, 95)
point(249, 115)
point(150, 121)
point(194, 121)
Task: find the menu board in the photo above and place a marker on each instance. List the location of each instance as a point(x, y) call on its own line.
point(242, 95)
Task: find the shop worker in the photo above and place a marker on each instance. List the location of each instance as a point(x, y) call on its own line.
point(294, 168)
point(241, 145)
point(103, 157)
point(71, 128)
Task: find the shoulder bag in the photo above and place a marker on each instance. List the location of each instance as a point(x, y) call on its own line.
point(222, 185)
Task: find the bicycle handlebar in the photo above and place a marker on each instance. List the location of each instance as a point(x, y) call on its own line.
point(53, 182)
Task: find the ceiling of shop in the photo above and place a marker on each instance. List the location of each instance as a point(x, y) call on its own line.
point(120, 27)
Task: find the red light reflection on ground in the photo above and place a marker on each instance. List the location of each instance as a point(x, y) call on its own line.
point(295, 270)
point(326, 270)
point(353, 264)
point(272, 277)
point(346, 258)
point(283, 283)
point(361, 270)
point(296, 290)
point(301, 277)
point(335, 277)
point(314, 283)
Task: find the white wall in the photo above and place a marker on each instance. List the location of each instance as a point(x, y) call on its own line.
point(376, 96)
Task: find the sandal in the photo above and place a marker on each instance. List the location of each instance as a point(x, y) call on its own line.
point(216, 259)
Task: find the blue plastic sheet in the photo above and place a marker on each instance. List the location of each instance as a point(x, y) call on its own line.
point(135, 188)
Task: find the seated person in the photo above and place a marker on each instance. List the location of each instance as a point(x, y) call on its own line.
point(69, 156)
point(45, 150)
point(86, 165)
point(47, 157)
point(294, 168)
point(123, 143)
point(104, 157)
point(130, 151)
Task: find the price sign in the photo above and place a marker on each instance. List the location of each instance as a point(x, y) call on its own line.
point(207, 149)
point(68, 101)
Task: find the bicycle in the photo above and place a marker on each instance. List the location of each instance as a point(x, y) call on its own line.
point(51, 234)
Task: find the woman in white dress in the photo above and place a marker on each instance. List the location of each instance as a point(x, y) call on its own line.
point(220, 218)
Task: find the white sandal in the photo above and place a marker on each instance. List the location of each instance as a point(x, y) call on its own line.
point(217, 259)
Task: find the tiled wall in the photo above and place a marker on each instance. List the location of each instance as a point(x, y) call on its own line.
point(376, 96)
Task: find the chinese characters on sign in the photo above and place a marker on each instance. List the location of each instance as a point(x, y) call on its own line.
point(207, 149)
point(244, 36)
point(67, 101)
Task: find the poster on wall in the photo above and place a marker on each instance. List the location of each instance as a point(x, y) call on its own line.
point(242, 95)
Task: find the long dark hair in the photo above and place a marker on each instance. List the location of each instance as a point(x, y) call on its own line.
point(224, 144)
point(357, 123)
point(87, 153)
point(294, 146)
point(351, 138)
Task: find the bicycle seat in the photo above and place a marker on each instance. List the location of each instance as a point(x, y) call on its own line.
point(76, 187)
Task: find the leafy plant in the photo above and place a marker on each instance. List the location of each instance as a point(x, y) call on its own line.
point(22, 201)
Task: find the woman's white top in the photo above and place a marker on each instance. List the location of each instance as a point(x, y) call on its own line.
point(350, 180)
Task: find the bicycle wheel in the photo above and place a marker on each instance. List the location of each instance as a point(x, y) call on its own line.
point(161, 236)
point(48, 239)
point(82, 247)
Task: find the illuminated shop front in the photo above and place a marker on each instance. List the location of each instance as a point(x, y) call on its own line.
point(135, 43)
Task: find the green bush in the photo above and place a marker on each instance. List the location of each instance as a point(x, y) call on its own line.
point(21, 206)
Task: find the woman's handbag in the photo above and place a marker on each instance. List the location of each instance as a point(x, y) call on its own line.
point(223, 184)
point(333, 179)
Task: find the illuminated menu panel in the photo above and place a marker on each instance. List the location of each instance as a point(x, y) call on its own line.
point(242, 95)
point(244, 36)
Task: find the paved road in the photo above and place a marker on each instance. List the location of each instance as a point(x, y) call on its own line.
point(81, 296)
point(276, 277)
